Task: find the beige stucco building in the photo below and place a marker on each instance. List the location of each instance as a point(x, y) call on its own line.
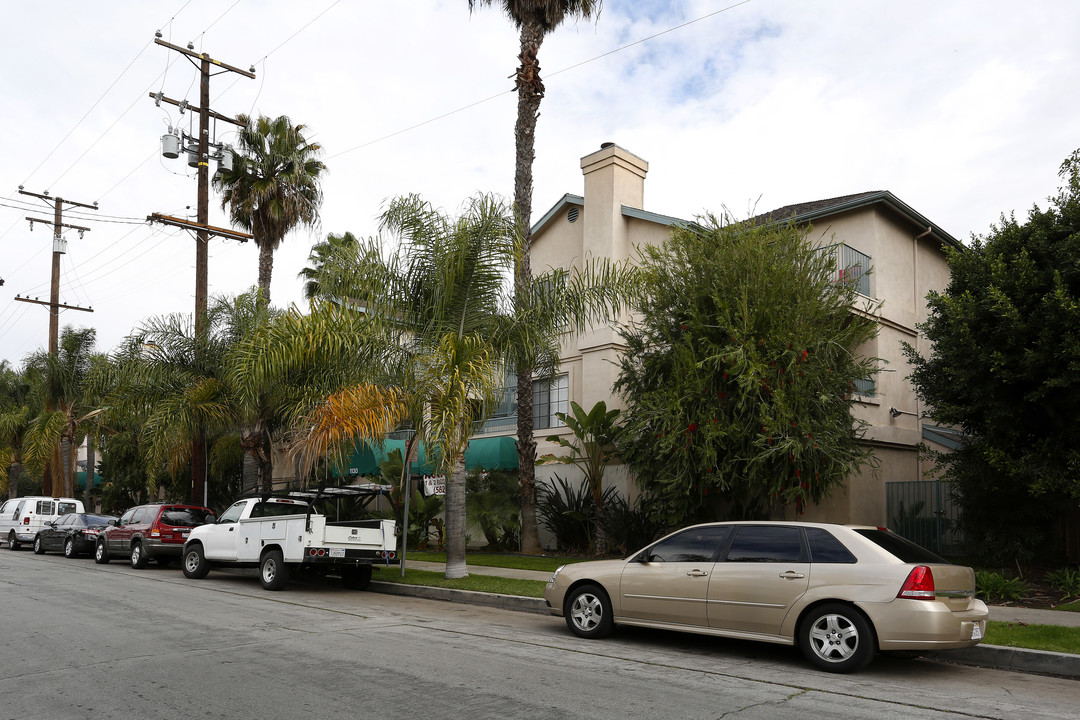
point(870, 230)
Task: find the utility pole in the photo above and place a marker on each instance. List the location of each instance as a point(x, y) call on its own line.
point(201, 227)
point(54, 304)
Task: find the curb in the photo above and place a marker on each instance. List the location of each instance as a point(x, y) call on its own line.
point(1038, 662)
point(471, 597)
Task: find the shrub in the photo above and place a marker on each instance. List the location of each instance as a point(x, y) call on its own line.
point(1065, 580)
point(568, 513)
point(995, 587)
point(628, 527)
point(493, 502)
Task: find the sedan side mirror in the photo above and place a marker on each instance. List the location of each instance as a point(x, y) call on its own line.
point(112, 522)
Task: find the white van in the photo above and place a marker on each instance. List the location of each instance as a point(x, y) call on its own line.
point(21, 519)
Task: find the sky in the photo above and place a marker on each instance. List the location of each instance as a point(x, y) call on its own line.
point(962, 109)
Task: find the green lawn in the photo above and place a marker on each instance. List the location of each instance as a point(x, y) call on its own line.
point(477, 583)
point(1034, 637)
point(521, 562)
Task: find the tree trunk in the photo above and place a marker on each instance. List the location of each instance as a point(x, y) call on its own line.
point(90, 461)
point(266, 269)
point(455, 521)
point(530, 92)
point(14, 471)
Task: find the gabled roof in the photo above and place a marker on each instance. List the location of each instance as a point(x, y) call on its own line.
point(800, 212)
point(810, 211)
point(569, 199)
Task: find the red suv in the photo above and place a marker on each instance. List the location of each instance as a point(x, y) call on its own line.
point(150, 532)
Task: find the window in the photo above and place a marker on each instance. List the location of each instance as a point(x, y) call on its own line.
point(854, 267)
point(824, 548)
point(232, 514)
point(867, 388)
point(183, 517)
point(140, 512)
point(901, 548)
point(550, 399)
point(64, 508)
point(126, 517)
point(44, 507)
point(277, 509)
point(693, 545)
point(766, 543)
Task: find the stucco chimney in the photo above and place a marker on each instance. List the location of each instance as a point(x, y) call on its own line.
point(613, 177)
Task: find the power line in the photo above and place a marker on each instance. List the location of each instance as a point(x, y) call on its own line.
point(552, 74)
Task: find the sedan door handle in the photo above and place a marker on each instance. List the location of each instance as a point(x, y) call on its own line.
point(791, 575)
point(696, 573)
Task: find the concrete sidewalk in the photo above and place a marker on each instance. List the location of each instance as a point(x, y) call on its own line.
point(996, 656)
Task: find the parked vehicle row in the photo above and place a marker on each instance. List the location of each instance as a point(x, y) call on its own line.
point(279, 534)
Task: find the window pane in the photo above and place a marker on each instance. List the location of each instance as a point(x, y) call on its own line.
point(854, 268)
point(903, 549)
point(824, 548)
point(693, 545)
point(766, 544)
point(550, 399)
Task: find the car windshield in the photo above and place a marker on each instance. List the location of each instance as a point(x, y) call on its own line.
point(184, 517)
point(903, 549)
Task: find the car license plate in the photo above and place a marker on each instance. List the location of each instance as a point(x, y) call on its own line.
point(976, 632)
point(337, 552)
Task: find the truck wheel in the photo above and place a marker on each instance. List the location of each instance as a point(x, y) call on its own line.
point(39, 547)
point(101, 553)
point(139, 558)
point(12, 541)
point(273, 571)
point(195, 565)
point(356, 578)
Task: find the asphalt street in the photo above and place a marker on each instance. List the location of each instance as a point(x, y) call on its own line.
point(88, 641)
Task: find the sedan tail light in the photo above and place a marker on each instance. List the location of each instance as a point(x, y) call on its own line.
point(919, 584)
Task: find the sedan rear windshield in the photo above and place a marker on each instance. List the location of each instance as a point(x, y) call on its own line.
point(184, 517)
point(903, 549)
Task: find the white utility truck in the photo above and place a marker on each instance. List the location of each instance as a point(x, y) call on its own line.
point(282, 533)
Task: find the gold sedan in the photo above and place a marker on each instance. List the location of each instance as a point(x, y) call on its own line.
point(838, 592)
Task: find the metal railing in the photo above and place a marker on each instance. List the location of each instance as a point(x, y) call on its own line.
point(924, 512)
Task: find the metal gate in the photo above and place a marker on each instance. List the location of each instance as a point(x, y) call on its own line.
point(924, 512)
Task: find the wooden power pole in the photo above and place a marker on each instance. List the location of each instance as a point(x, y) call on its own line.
point(201, 227)
point(54, 304)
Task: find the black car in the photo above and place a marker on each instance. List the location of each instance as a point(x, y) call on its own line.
point(74, 533)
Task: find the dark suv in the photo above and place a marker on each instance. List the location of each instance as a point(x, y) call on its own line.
point(150, 532)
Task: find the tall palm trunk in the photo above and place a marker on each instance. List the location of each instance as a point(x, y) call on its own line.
point(530, 92)
point(266, 270)
point(455, 521)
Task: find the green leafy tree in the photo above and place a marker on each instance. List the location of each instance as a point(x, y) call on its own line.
point(493, 503)
point(534, 19)
point(1005, 369)
point(274, 186)
point(739, 373)
point(592, 449)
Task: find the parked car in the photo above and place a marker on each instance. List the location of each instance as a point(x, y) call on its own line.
point(74, 533)
point(21, 519)
point(150, 532)
point(839, 593)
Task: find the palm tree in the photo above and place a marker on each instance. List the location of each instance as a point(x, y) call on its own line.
point(323, 253)
point(63, 379)
point(15, 415)
point(273, 187)
point(534, 20)
point(444, 324)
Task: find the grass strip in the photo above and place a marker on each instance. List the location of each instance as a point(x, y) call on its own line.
point(519, 562)
point(476, 583)
point(1034, 637)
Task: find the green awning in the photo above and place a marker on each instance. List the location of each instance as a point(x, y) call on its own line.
point(494, 453)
